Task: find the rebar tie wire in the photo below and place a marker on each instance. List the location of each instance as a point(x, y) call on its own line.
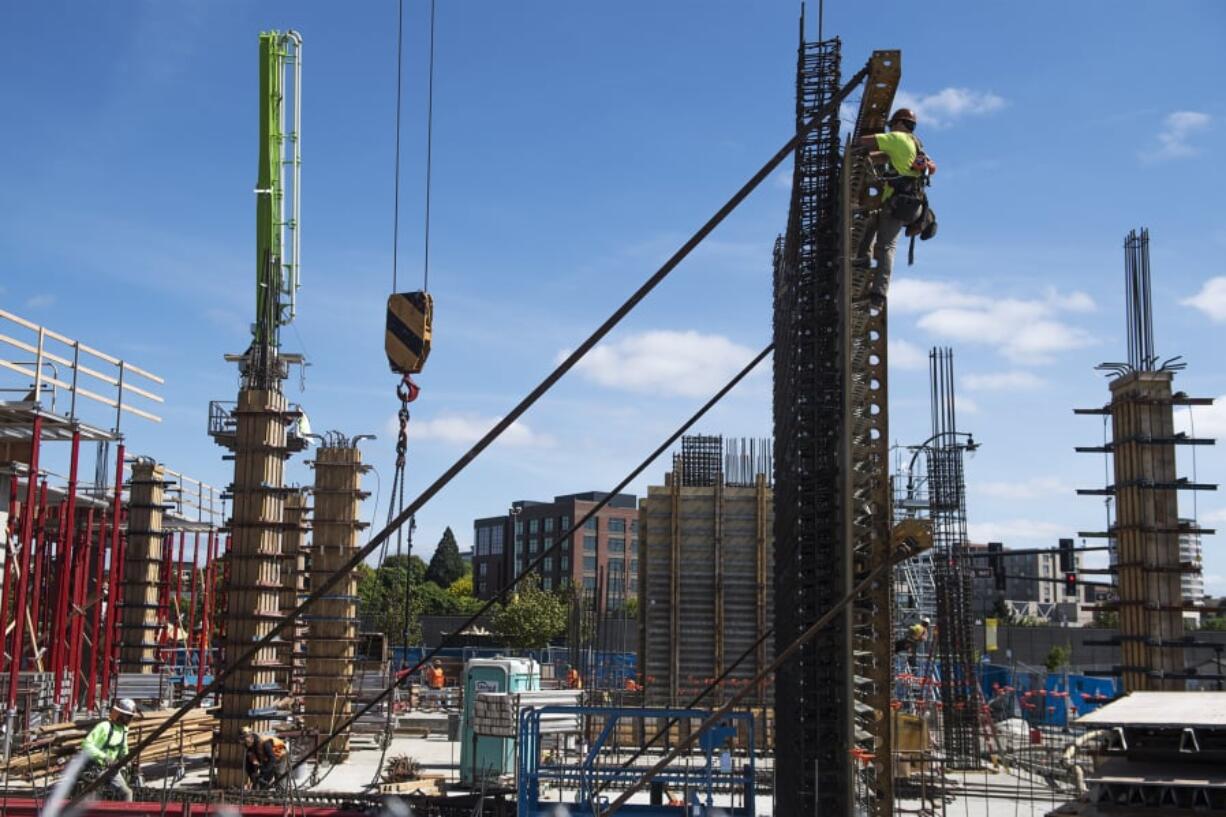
point(490, 436)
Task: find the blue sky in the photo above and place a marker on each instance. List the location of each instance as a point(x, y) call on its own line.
point(575, 146)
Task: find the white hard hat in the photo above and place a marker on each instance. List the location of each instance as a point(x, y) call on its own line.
point(925, 620)
point(125, 706)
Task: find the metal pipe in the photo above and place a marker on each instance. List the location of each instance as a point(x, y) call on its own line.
point(27, 537)
point(95, 632)
point(38, 554)
point(206, 611)
point(9, 551)
point(112, 600)
point(191, 609)
point(77, 614)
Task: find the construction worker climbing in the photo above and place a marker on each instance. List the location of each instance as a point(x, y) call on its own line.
point(905, 171)
point(573, 681)
point(917, 634)
point(267, 760)
point(107, 743)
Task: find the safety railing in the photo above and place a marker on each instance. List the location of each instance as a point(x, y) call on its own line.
point(53, 362)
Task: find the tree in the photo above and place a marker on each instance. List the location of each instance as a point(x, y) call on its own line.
point(462, 588)
point(446, 565)
point(1215, 623)
point(1106, 618)
point(1058, 657)
point(532, 617)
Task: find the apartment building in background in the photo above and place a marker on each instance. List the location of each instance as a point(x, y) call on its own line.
point(607, 545)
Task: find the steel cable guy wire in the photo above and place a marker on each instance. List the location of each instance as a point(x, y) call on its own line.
point(490, 436)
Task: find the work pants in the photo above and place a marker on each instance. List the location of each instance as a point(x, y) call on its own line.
point(880, 241)
point(117, 788)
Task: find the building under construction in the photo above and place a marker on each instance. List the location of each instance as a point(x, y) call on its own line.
point(783, 626)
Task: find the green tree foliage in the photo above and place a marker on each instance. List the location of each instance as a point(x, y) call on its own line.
point(462, 587)
point(1216, 623)
point(532, 618)
point(446, 565)
point(1058, 657)
point(381, 593)
point(1106, 618)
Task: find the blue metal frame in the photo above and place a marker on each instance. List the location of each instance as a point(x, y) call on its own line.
point(585, 777)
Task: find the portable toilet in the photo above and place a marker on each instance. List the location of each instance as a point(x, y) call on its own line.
point(485, 758)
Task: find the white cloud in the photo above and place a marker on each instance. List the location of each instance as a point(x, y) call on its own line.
point(40, 301)
point(1004, 381)
point(915, 295)
point(464, 429)
point(685, 364)
point(1033, 488)
point(1018, 532)
point(906, 355)
point(1211, 299)
point(1024, 330)
point(1177, 128)
point(1217, 517)
point(1208, 421)
point(946, 106)
point(965, 405)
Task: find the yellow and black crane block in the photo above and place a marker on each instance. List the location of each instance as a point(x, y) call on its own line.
point(407, 341)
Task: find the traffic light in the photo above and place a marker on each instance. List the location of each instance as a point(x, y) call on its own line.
point(1067, 563)
point(997, 563)
point(1070, 584)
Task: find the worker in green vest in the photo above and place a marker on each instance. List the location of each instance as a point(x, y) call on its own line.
point(107, 743)
point(904, 172)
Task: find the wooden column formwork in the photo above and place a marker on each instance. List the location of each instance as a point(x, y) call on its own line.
point(332, 633)
point(1147, 523)
point(706, 567)
point(142, 566)
point(253, 591)
point(293, 587)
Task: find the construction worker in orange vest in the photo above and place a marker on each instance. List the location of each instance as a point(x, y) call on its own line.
point(573, 681)
point(267, 760)
point(633, 685)
point(435, 679)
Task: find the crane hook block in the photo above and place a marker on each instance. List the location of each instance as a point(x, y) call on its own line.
point(407, 341)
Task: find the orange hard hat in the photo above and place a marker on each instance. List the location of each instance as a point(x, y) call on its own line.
point(904, 115)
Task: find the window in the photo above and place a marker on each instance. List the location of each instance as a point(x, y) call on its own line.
point(519, 525)
point(634, 545)
point(589, 543)
point(565, 523)
point(634, 583)
point(564, 582)
point(519, 564)
point(565, 563)
point(589, 582)
point(617, 586)
point(496, 541)
point(484, 565)
point(566, 545)
point(634, 566)
point(616, 566)
point(548, 564)
point(534, 525)
point(617, 525)
point(590, 524)
point(617, 544)
point(589, 563)
point(634, 526)
point(547, 583)
point(548, 524)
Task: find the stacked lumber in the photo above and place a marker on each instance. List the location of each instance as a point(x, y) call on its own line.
point(51, 745)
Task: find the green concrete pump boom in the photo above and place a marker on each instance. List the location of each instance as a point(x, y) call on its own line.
point(277, 199)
